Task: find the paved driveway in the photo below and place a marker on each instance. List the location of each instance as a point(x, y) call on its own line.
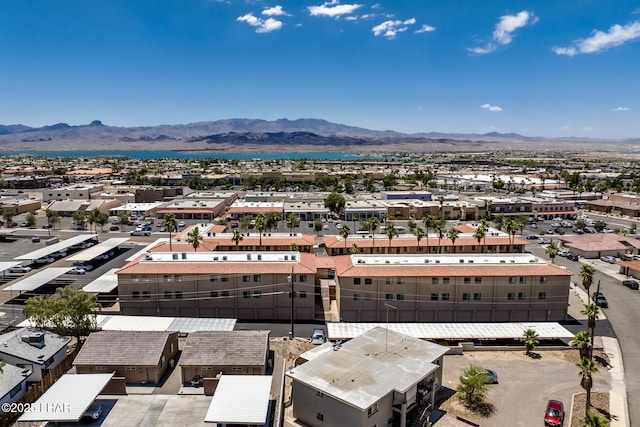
point(525, 384)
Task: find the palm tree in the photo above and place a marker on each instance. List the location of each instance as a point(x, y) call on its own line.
point(344, 232)
point(587, 367)
point(353, 249)
point(372, 226)
point(194, 238)
point(391, 231)
point(594, 420)
point(292, 221)
point(237, 237)
point(441, 201)
point(428, 220)
point(355, 217)
point(170, 222)
point(419, 233)
point(530, 340)
point(440, 227)
point(510, 227)
point(552, 250)
point(591, 311)
point(261, 225)
point(453, 234)
point(587, 272)
point(582, 342)
point(480, 233)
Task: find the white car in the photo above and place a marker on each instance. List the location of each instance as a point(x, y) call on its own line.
point(59, 254)
point(77, 270)
point(45, 260)
point(20, 269)
point(181, 224)
point(86, 267)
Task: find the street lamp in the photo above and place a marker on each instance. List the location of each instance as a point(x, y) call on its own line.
point(386, 334)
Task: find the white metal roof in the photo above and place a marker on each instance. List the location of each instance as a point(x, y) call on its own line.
point(8, 230)
point(68, 398)
point(99, 249)
point(153, 323)
point(452, 331)
point(38, 279)
point(61, 245)
point(146, 249)
point(7, 265)
point(103, 284)
point(240, 399)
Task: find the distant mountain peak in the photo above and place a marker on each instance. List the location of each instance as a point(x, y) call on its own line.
point(96, 123)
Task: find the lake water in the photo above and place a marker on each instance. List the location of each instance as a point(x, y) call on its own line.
point(164, 154)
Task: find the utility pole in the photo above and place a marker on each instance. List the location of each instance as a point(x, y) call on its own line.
point(292, 295)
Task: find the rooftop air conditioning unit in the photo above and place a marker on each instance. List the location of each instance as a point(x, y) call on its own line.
point(502, 261)
point(215, 258)
point(437, 261)
point(248, 257)
point(174, 256)
point(259, 257)
point(293, 257)
point(462, 261)
point(386, 261)
point(184, 255)
point(224, 258)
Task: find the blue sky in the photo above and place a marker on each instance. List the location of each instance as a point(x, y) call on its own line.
point(539, 68)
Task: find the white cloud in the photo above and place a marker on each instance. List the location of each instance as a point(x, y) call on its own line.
point(599, 40)
point(491, 107)
point(333, 9)
point(621, 109)
point(390, 29)
point(503, 33)
point(275, 11)
point(426, 29)
point(263, 25)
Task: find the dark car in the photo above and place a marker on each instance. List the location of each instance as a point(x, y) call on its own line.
point(572, 256)
point(47, 226)
point(554, 415)
point(600, 300)
point(114, 228)
point(532, 237)
point(633, 284)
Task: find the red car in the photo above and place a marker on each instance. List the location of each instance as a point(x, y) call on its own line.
point(554, 415)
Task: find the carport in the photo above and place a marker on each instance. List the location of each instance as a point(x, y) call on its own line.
point(7, 265)
point(99, 249)
point(103, 284)
point(240, 400)
point(68, 398)
point(34, 281)
point(60, 246)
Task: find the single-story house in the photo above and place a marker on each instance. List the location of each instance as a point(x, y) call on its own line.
point(13, 383)
point(600, 244)
point(141, 357)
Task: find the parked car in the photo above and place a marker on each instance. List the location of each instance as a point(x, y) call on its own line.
point(235, 224)
point(35, 239)
point(93, 411)
point(86, 267)
point(24, 224)
point(114, 228)
point(140, 233)
point(181, 224)
point(548, 231)
point(44, 260)
point(636, 257)
point(554, 414)
point(573, 257)
point(564, 254)
point(20, 269)
point(600, 300)
point(47, 226)
point(318, 336)
point(609, 259)
point(59, 254)
point(532, 237)
point(11, 224)
point(544, 241)
point(491, 376)
point(633, 284)
point(77, 270)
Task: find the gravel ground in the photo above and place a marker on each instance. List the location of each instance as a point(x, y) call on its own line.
point(599, 405)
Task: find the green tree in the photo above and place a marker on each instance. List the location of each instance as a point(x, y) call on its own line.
point(591, 311)
point(429, 221)
point(594, 420)
point(510, 227)
point(353, 249)
point(101, 219)
point(453, 234)
point(372, 226)
point(419, 233)
point(7, 214)
point(599, 226)
point(79, 218)
point(480, 234)
point(587, 272)
point(335, 202)
point(237, 237)
point(521, 222)
point(344, 232)
point(355, 217)
point(123, 219)
point(390, 231)
point(587, 367)
point(530, 340)
point(552, 250)
point(194, 238)
point(292, 221)
point(441, 200)
point(170, 222)
point(582, 342)
point(261, 225)
point(317, 226)
point(245, 221)
point(440, 228)
point(53, 217)
point(293, 247)
point(68, 311)
point(473, 386)
point(30, 220)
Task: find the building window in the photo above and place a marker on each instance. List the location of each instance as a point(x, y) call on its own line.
point(130, 368)
point(135, 278)
point(523, 279)
point(400, 297)
point(434, 281)
point(367, 296)
point(388, 281)
point(100, 368)
point(372, 409)
point(246, 278)
point(522, 295)
point(168, 278)
point(303, 294)
point(466, 296)
point(303, 277)
point(213, 278)
point(224, 279)
point(214, 294)
point(246, 294)
point(168, 294)
point(135, 294)
point(145, 279)
point(236, 369)
point(225, 294)
point(356, 297)
point(542, 295)
point(434, 297)
point(512, 280)
point(146, 294)
point(257, 278)
point(543, 279)
point(445, 280)
point(477, 296)
point(445, 296)
point(467, 280)
point(477, 280)
point(15, 390)
point(178, 294)
point(388, 297)
point(319, 416)
point(368, 281)
point(511, 295)
point(356, 280)
point(257, 294)
point(400, 281)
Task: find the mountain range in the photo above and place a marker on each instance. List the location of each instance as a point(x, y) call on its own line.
point(245, 133)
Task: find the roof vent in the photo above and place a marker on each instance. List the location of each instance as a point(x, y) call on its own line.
point(148, 258)
point(387, 261)
point(426, 261)
point(215, 258)
point(248, 257)
point(461, 261)
point(293, 257)
point(224, 258)
point(437, 261)
point(184, 255)
point(502, 261)
point(174, 256)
